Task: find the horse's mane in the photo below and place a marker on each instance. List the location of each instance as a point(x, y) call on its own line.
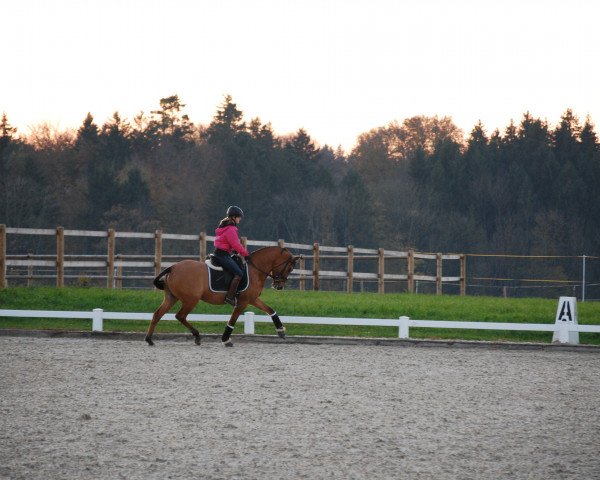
point(283, 249)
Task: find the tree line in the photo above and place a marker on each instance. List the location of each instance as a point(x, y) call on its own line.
point(419, 183)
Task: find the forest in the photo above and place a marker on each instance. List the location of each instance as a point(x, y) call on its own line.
point(422, 183)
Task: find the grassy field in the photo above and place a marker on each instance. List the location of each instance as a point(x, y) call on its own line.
point(289, 302)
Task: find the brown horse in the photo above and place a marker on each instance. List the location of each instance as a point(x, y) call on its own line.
point(187, 281)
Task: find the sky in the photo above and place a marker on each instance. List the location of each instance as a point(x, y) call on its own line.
point(336, 68)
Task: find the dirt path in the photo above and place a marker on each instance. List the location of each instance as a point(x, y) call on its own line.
point(106, 409)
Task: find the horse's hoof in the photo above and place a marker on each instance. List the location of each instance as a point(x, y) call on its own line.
point(228, 343)
point(149, 341)
point(197, 339)
point(281, 332)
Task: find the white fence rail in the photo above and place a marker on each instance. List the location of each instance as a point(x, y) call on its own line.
point(249, 319)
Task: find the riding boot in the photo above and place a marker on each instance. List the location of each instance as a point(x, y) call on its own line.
point(231, 297)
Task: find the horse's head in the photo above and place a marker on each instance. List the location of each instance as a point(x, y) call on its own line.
point(282, 267)
point(274, 262)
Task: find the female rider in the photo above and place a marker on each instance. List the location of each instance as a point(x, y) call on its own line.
point(226, 242)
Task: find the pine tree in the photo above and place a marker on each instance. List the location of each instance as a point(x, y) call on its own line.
point(6, 144)
point(116, 143)
point(169, 122)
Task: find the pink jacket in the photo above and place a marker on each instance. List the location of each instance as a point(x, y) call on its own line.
point(227, 239)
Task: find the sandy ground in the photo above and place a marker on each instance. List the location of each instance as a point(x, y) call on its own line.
point(105, 409)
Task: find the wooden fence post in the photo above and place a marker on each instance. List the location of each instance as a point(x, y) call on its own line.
point(60, 257)
point(244, 241)
point(381, 272)
point(301, 281)
point(350, 268)
point(29, 271)
point(281, 243)
point(203, 252)
point(410, 260)
point(3, 256)
point(438, 276)
point(463, 275)
point(316, 285)
point(110, 277)
point(157, 251)
point(119, 272)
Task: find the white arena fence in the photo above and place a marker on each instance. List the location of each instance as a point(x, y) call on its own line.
point(403, 323)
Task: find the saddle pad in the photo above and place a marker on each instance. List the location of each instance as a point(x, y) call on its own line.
point(219, 281)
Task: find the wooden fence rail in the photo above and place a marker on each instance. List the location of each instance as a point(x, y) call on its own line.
point(315, 254)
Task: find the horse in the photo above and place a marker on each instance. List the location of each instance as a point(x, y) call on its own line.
point(187, 281)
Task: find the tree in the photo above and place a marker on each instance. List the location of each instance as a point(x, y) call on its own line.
point(6, 143)
point(53, 154)
point(100, 174)
point(116, 144)
point(354, 216)
point(7, 132)
point(301, 158)
point(88, 133)
point(477, 176)
point(565, 137)
point(169, 121)
point(534, 146)
point(371, 157)
point(419, 134)
point(227, 121)
point(26, 196)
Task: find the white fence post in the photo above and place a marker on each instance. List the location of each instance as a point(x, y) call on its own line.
point(97, 320)
point(249, 323)
point(403, 328)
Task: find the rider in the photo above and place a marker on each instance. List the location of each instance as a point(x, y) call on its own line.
point(226, 242)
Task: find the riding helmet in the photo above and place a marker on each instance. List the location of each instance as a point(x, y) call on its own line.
point(234, 211)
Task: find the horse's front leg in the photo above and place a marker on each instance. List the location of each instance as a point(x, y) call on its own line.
point(258, 303)
point(226, 337)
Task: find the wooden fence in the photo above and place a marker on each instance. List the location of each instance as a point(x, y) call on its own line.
point(114, 265)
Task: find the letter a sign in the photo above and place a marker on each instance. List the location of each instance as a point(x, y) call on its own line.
point(566, 316)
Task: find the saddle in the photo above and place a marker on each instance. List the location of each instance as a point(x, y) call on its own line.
point(219, 278)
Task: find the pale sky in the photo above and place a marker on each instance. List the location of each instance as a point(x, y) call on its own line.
point(336, 68)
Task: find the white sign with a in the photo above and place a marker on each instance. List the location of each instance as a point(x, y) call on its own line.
point(566, 316)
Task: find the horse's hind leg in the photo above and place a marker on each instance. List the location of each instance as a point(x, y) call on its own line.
point(167, 303)
point(181, 315)
point(258, 303)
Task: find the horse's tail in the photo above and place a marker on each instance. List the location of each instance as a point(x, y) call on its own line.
point(159, 281)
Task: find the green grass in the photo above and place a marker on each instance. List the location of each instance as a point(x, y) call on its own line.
point(323, 304)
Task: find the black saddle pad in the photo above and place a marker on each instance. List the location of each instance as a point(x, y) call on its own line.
point(219, 280)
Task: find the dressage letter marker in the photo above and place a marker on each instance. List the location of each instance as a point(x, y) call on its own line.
point(566, 316)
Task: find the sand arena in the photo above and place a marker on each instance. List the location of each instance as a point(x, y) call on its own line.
point(105, 409)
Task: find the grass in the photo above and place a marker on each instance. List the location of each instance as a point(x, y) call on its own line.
point(297, 303)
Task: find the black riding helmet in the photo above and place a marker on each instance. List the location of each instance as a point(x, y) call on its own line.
point(234, 211)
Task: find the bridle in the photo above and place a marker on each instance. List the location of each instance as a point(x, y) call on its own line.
point(281, 276)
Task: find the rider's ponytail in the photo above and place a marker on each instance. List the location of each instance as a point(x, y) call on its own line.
point(225, 222)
